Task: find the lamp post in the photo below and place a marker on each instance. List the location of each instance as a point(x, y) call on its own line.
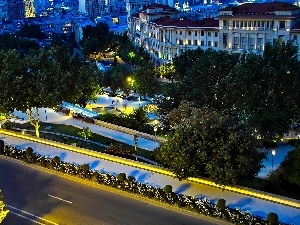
point(155, 129)
point(273, 153)
point(135, 139)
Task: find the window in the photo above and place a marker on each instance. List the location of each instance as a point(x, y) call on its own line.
point(209, 43)
point(208, 34)
point(216, 44)
point(225, 24)
point(195, 42)
point(180, 42)
point(235, 43)
point(189, 42)
point(282, 25)
point(244, 43)
point(259, 44)
point(180, 32)
point(252, 43)
point(190, 33)
point(202, 43)
point(202, 33)
point(196, 33)
point(269, 40)
point(216, 34)
point(225, 41)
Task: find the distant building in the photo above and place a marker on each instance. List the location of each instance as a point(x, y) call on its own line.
point(95, 8)
point(248, 27)
point(164, 32)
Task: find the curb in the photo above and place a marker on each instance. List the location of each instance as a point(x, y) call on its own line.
point(241, 190)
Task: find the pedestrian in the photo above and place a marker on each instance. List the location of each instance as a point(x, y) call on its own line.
point(113, 102)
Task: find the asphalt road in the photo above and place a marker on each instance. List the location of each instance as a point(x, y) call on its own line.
point(37, 197)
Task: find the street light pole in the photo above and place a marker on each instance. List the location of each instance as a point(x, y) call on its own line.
point(155, 129)
point(273, 153)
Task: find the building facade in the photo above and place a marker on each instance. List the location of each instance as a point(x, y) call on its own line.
point(244, 28)
point(248, 27)
point(158, 30)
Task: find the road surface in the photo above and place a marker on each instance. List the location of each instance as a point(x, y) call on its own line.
point(37, 197)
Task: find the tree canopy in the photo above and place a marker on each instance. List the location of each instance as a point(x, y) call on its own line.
point(261, 90)
point(205, 143)
point(44, 79)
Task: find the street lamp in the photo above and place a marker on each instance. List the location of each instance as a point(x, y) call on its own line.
point(273, 153)
point(155, 129)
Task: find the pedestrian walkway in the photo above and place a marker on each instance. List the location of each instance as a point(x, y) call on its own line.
point(252, 205)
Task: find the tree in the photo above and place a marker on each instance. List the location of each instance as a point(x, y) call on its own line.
point(290, 167)
point(265, 89)
point(206, 143)
point(85, 133)
point(145, 81)
point(167, 71)
point(117, 77)
point(43, 79)
point(95, 38)
point(200, 82)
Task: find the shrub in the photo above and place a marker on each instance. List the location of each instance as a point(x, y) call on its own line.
point(85, 167)
point(272, 218)
point(29, 151)
point(8, 125)
point(221, 204)
point(65, 139)
point(56, 159)
point(121, 177)
point(168, 189)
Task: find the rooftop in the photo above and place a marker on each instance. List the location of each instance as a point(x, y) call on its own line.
point(167, 21)
point(268, 8)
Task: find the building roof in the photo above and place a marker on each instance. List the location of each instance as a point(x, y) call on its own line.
point(156, 5)
point(175, 22)
point(268, 8)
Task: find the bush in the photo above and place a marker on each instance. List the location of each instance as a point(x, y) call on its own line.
point(221, 204)
point(86, 167)
point(8, 125)
point(168, 189)
point(29, 151)
point(121, 177)
point(65, 139)
point(272, 218)
point(56, 159)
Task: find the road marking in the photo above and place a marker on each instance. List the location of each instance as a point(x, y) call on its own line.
point(61, 199)
point(27, 218)
point(48, 221)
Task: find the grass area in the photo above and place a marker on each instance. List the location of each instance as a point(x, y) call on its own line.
point(73, 131)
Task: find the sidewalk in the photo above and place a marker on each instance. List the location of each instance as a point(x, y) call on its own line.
point(245, 203)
